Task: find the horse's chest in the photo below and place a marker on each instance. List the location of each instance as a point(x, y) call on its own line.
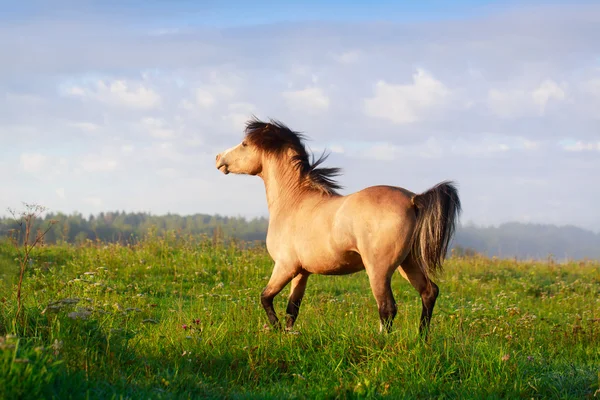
point(271, 244)
point(278, 244)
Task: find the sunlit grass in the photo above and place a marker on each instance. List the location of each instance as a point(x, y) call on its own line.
point(180, 318)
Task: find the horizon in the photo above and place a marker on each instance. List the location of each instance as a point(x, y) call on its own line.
point(123, 105)
point(460, 224)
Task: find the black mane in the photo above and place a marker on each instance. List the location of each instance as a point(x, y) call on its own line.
point(274, 138)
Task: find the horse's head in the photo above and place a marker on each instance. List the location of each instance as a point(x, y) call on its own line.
point(245, 158)
point(262, 141)
point(273, 141)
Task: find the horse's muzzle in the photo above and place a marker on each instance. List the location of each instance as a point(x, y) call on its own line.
point(222, 165)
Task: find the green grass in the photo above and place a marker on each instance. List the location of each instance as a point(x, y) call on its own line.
point(501, 329)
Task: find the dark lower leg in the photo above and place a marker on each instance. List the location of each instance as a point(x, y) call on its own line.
point(296, 295)
point(387, 313)
point(293, 308)
point(382, 290)
point(279, 278)
point(266, 299)
point(428, 298)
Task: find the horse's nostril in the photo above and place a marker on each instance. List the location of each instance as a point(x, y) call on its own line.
point(218, 156)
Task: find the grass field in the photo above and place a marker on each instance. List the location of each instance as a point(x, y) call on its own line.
point(180, 318)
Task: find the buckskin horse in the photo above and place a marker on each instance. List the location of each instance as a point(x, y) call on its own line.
point(313, 229)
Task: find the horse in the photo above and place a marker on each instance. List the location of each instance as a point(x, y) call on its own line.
point(313, 229)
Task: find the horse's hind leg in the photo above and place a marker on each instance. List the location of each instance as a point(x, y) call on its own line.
point(381, 286)
point(428, 290)
point(296, 295)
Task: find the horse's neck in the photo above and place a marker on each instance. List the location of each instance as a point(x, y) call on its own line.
point(282, 186)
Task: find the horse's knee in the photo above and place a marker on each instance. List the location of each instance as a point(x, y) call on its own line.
point(436, 290)
point(430, 293)
point(266, 299)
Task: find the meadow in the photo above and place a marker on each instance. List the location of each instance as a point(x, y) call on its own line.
point(178, 317)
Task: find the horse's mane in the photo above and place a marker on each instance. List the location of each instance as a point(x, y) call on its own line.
point(275, 138)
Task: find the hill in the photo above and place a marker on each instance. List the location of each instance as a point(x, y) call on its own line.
point(530, 241)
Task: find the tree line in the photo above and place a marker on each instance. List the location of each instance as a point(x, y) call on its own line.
point(128, 227)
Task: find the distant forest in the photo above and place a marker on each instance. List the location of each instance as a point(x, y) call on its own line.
point(524, 241)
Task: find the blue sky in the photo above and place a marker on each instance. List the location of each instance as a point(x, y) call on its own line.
point(240, 13)
point(123, 105)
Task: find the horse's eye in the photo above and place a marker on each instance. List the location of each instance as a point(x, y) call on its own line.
point(244, 144)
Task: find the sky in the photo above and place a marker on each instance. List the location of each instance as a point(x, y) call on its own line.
point(123, 105)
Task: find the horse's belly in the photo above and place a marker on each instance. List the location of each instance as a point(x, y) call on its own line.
point(349, 263)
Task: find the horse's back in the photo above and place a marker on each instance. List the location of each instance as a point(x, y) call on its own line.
point(390, 197)
point(378, 204)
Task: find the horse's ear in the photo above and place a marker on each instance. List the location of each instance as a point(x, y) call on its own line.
point(290, 152)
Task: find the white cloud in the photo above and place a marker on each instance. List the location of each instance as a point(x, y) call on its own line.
point(164, 151)
point(45, 167)
point(592, 86)
point(404, 104)
point(300, 70)
point(519, 102)
point(119, 93)
point(525, 181)
point(93, 201)
point(33, 162)
point(331, 148)
point(381, 152)
point(431, 148)
point(488, 145)
point(76, 91)
point(508, 103)
point(546, 91)
point(187, 105)
point(384, 151)
point(204, 99)
point(127, 148)
point(85, 126)
point(169, 172)
point(194, 140)
point(95, 163)
point(311, 99)
point(348, 57)
point(60, 192)
point(337, 149)
point(25, 98)
point(156, 127)
point(483, 149)
point(210, 95)
point(582, 146)
point(238, 114)
point(530, 144)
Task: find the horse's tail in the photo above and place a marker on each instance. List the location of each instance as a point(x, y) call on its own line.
point(437, 212)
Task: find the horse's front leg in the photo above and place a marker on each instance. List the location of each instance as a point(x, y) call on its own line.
point(296, 295)
point(282, 274)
